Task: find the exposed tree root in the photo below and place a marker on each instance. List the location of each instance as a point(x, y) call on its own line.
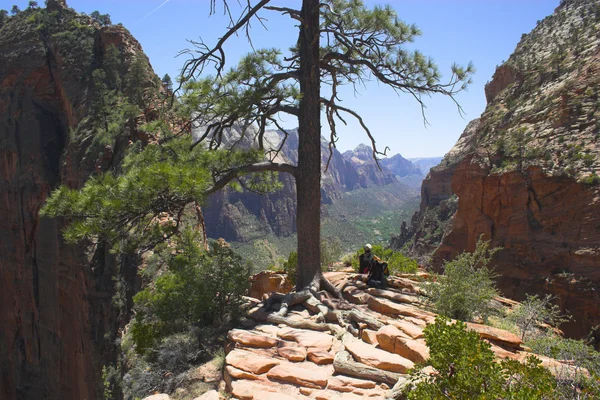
point(343, 363)
point(334, 315)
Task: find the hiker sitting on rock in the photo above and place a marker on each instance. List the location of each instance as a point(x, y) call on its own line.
point(365, 260)
point(378, 274)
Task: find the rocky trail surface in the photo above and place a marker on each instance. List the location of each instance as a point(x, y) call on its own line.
point(298, 356)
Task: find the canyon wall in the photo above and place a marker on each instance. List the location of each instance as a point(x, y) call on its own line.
point(58, 320)
point(525, 175)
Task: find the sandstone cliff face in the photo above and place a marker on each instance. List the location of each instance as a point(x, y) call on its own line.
point(58, 322)
point(525, 174)
point(241, 216)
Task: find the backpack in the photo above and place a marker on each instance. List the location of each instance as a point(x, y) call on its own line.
point(378, 274)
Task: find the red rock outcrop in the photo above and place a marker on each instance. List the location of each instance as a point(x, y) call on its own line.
point(347, 362)
point(525, 175)
point(56, 309)
point(504, 76)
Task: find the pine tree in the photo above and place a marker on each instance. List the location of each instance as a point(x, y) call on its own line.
point(339, 43)
point(15, 10)
point(3, 17)
point(102, 19)
point(112, 65)
point(167, 83)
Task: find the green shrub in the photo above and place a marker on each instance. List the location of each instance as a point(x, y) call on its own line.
point(331, 251)
point(290, 267)
point(466, 288)
point(398, 263)
point(591, 180)
point(580, 355)
point(534, 311)
point(466, 369)
point(197, 289)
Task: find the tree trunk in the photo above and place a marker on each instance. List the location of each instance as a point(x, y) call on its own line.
point(308, 178)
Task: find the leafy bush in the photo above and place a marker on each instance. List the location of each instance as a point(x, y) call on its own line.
point(197, 289)
point(466, 369)
point(534, 311)
point(591, 180)
point(466, 288)
point(573, 383)
point(331, 251)
point(290, 266)
point(398, 263)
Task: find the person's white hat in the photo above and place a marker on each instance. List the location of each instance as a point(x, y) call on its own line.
point(368, 247)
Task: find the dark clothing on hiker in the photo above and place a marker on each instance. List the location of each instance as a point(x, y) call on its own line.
point(378, 275)
point(365, 261)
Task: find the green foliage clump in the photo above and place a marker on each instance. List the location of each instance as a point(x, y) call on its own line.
point(591, 180)
point(3, 17)
point(290, 267)
point(572, 383)
point(125, 209)
point(532, 312)
point(102, 19)
point(466, 369)
point(466, 288)
point(197, 288)
point(331, 251)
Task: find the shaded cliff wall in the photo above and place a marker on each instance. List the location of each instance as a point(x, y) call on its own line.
point(58, 322)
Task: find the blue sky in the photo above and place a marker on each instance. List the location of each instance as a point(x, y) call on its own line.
point(482, 31)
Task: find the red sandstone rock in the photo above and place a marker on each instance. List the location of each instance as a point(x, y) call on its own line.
point(413, 350)
point(293, 353)
point(161, 396)
point(251, 339)
point(385, 306)
point(236, 373)
point(390, 294)
point(307, 338)
point(245, 390)
point(266, 282)
point(391, 339)
point(495, 334)
point(298, 375)
point(377, 358)
point(352, 383)
point(319, 356)
point(210, 395)
point(408, 328)
point(334, 395)
point(386, 337)
point(250, 362)
point(355, 295)
point(369, 336)
point(273, 396)
point(268, 329)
